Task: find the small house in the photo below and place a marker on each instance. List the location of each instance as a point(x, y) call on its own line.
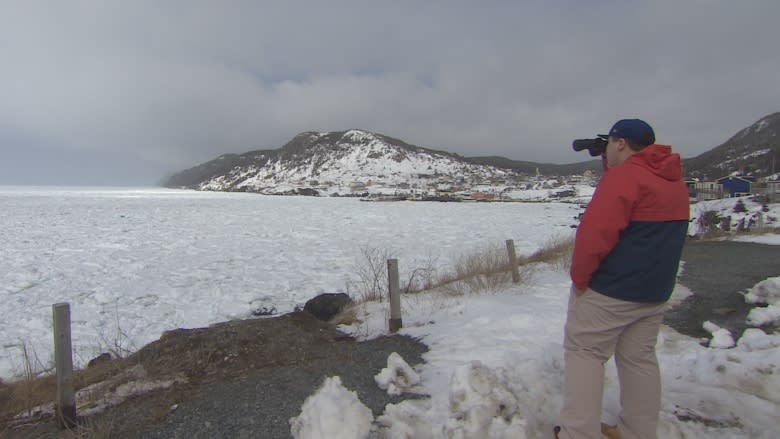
point(705, 190)
point(734, 186)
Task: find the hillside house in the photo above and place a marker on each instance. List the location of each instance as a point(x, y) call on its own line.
point(735, 186)
point(482, 196)
point(769, 188)
point(704, 190)
point(773, 190)
point(444, 188)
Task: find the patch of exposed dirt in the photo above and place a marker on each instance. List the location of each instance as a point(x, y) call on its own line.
point(195, 358)
point(231, 349)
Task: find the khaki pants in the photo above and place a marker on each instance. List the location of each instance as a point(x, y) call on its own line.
point(598, 326)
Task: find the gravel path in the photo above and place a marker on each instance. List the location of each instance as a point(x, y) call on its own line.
point(716, 272)
point(260, 405)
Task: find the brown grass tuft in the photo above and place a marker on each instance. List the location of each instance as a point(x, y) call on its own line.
point(556, 251)
point(348, 316)
point(95, 427)
point(484, 270)
point(35, 390)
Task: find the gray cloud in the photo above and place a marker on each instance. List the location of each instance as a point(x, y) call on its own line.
point(127, 92)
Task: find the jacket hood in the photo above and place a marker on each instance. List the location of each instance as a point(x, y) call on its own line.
point(660, 160)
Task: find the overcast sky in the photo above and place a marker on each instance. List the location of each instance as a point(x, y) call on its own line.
point(127, 92)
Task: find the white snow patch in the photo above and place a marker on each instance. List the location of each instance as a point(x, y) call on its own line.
point(481, 405)
point(98, 397)
point(721, 337)
point(134, 263)
point(764, 316)
point(332, 412)
point(754, 339)
point(754, 218)
point(397, 377)
point(766, 292)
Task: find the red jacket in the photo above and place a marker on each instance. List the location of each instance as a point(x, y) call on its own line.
point(630, 239)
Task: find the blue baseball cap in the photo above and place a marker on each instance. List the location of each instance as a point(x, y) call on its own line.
point(633, 129)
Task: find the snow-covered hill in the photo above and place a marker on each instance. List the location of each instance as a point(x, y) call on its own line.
point(753, 151)
point(351, 158)
point(357, 162)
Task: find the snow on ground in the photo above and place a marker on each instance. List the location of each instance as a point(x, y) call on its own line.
point(766, 292)
point(397, 377)
point(134, 263)
point(495, 366)
point(323, 414)
point(721, 337)
point(147, 261)
point(738, 212)
point(767, 238)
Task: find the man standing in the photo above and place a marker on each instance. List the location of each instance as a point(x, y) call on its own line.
point(624, 267)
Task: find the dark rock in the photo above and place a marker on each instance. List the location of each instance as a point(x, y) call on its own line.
point(327, 305)
point(105, 357)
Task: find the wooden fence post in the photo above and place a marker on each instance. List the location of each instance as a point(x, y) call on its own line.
point(510, 248)
point(395, 295)
point(65, 404)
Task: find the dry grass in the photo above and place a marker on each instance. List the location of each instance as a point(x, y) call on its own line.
point(17, 396)
point(489, 269)
point(35, 389)
point(348, 316)
point(32, 389)
point(370, 282)
point(98, 427)
point(483, 270)
point(556, 251)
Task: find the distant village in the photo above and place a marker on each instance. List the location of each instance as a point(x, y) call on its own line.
point(535, 188)
point(426, 187)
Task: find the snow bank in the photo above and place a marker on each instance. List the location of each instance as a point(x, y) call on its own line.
point(332, 412)
point(495, 370)
point(733, 214)
point(397, 377)
point(766, 292)
point(481, 405)
point(721, 337)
